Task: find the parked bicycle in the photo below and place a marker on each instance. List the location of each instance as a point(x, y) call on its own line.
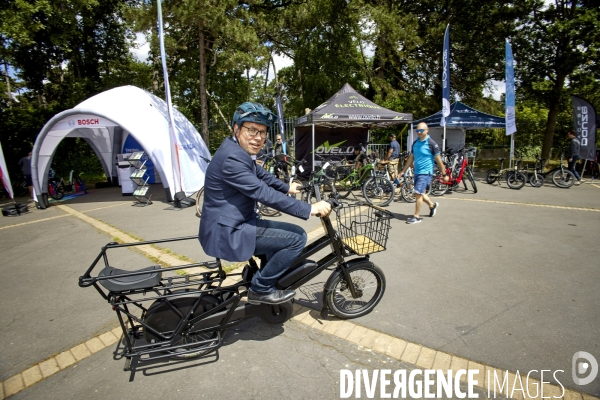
point(58, 187)
point(515, 179)
point(561, 176)
point(167, 315)
point(458, 170)
point(376, 188)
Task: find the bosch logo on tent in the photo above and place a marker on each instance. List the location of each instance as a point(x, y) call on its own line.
point(88, 121)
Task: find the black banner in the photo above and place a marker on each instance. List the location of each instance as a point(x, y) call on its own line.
point(331, 144)
point(584, 124)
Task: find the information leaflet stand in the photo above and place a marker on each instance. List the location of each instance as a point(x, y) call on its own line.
point(140, 178)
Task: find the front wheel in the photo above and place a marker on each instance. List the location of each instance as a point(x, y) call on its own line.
point(516, 180)
point(369, 285)
point(563, 178)
point(472, 180)
point(408, 190)
point(378, 191)
point(438, 188)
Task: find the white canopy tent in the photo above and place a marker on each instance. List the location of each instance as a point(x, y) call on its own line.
point(104, 121)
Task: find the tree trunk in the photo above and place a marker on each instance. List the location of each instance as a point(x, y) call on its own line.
point(7, 84)
point(203, 103)
point(553, 110)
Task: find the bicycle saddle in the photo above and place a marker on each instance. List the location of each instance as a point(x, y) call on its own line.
point(130, 282)
point(501, 159)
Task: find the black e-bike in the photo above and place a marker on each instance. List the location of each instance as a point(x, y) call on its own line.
point(183, 315)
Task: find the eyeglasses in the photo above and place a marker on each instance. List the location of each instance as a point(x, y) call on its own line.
point(252, 132)
point(421, 130)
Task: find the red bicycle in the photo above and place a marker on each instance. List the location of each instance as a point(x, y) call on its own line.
point(458, 170)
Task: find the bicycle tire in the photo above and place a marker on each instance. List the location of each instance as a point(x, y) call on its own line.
point(199, 202)
point(378, 191)
point(330, 171)
point(407, 191)
point(369, 282)
point(563, 178)
point(492, 176)
point(267, 211)
point(471, 180)
point(437, 187)
point(516, 180)
point(161, 317)
point(57, 191)
point(537, 181)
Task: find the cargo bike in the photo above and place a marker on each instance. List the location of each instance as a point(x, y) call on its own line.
point(183, 312)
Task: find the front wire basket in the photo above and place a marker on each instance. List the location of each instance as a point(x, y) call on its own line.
point(363, 228)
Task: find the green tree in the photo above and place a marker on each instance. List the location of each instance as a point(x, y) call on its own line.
point(556, 43)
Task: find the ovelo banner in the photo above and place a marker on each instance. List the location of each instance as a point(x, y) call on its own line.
point(584, 124)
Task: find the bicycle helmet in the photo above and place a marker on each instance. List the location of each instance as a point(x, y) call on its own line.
point(253, 112)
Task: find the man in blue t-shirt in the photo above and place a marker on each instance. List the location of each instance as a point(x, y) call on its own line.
point(424, 152)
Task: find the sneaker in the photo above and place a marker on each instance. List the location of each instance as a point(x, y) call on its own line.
point(414, 220)
point(433, 209)
point(577, 182)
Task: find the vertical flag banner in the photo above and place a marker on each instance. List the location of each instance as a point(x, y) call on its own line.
point(511, 125)
point(279, 106)
point(446, 77)
point(4, 175)
point(584, 124)
point(172, 136)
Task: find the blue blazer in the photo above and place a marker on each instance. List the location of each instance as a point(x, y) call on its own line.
point(232, 186)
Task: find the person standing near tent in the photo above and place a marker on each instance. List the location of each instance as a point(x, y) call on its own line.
point(25, 164)
point(278, 149)
point(393, 157)
point(230, 228)
point(574, 149)
point(424, 152)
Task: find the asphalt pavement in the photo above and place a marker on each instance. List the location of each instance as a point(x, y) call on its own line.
point(505, 278)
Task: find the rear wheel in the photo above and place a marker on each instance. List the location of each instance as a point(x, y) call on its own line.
point(516, 180)
point(162, 318)
point(369, 285)
point(563, 178)
point(378, 191)
point(492, 176)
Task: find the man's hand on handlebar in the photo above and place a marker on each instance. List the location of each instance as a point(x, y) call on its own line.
point(295, 188)
point(321, 209)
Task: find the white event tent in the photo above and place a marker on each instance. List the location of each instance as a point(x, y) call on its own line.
point(105, 120)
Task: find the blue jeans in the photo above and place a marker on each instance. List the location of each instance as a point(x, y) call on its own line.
point(572, 167)
point(280, 243)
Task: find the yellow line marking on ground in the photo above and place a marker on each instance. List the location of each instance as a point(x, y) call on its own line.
point(526, 204)
point(33, 222)
point(102, 208)
point(412, 353)
point(594, 185)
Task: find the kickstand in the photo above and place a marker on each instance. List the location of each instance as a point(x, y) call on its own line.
point(324, 311)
